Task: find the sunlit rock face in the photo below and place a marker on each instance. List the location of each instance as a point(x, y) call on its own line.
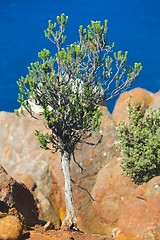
point(140, 217)
point(21, 155)
point(155, 104)
point(16, 195)
point(101, 180)
point(136, 95)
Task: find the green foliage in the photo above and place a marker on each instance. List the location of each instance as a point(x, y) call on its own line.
point(140, 144)
point(44, 139)
point(69, 86)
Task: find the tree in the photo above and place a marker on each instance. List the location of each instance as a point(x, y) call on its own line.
point(140, 144)
point(69, 87)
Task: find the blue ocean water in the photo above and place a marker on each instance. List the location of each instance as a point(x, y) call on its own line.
point(134, 26)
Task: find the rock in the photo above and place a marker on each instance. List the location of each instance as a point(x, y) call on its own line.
point(110, 192)
point(10, 227)
point(41, 171)
point(140, 217)
point(21, 155)
point(26, 180)
point(120, 111)
point(155, 104)
point(44, 205)
point(20, 149)
point(16, 195)
point(4, 207)
point(64, 235)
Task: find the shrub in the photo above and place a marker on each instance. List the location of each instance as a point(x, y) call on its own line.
point(140, 144)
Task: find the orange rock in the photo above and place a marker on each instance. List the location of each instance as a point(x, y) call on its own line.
point(121, 236)
point(27, 180)
point(155, 104)
point(140, 217)
point(110, 192)
point(23, 158)
point(16, 195)
point(64, 235)
point(10, 227)
point(120, 112)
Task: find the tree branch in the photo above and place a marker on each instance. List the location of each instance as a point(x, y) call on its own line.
point(74, 159)
point(77, 185)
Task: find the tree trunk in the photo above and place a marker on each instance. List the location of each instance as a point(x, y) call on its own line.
point(70, 221)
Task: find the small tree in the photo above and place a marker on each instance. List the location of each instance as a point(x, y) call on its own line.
point(140, 144)
point(69, 87)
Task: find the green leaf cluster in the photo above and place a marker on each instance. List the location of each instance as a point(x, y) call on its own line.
point(140, 144)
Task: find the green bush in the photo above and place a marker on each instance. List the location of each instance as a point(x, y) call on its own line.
point(140, 144)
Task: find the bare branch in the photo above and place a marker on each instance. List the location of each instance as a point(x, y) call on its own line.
point(83, 189)
point(96, 143)
point(82, 169)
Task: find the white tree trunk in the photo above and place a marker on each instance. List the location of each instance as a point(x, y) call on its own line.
point(70, 221)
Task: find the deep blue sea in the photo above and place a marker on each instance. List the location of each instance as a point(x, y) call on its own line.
point(134, 26)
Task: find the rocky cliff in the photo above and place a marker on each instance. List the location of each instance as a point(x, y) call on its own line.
point(117, 204)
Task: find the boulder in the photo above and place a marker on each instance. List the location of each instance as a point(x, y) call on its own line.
point(110, 192)
point(140, 217)
point(155, 104)
point(16, 195)
point(26, 180)
point(21, 155)
point(20, 149)
point(136, 95)
point(10, 227)
point(45, 207)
